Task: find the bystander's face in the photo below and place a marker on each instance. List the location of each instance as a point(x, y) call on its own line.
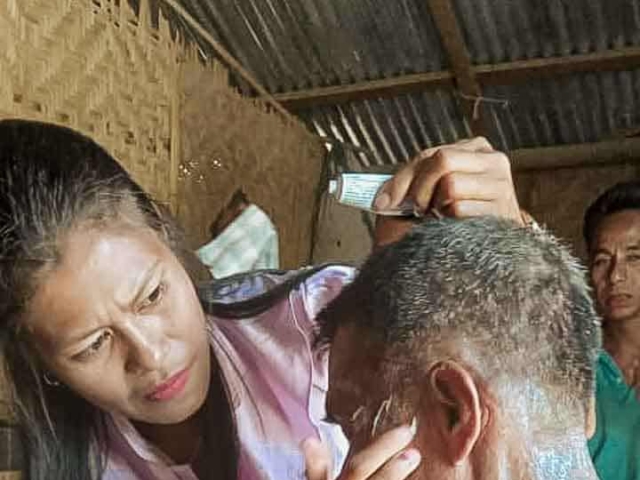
point(615, 266)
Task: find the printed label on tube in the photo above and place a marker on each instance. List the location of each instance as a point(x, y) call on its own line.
point(360, 189)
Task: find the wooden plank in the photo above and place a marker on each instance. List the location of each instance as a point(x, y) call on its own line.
point(627, 58)
point(576, 156)
point(505, 73)
point(364, 90)
point(459, 59)
point(176, 144)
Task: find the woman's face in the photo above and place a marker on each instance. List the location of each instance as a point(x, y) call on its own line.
point(118, 321)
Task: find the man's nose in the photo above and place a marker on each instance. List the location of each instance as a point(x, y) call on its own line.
point(618, 271)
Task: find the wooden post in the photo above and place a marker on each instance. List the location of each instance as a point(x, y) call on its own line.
point(506, 73)
point(176, 147)
point(460, 62)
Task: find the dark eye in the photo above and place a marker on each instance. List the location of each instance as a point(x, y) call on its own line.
point(95, 347)
point(154, 297)
point(599, 261)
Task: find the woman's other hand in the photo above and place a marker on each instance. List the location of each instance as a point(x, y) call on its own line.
point(388, 457)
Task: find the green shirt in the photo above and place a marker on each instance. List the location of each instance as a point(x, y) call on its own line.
point(615, 447)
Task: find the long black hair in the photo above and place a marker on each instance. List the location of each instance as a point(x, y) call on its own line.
point(621, 196)
point(52, 180)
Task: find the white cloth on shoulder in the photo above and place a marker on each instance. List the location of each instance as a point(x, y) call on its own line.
point(250, 242)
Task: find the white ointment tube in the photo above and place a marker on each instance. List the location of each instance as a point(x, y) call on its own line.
point(360, 189)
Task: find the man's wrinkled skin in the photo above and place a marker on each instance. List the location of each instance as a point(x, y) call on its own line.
point(484, 442)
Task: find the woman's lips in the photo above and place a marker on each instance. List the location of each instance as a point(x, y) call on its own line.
point(170, 388)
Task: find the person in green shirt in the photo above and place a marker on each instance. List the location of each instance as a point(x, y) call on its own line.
point(612, 234)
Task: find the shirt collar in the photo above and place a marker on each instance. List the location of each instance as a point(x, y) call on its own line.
point(614, 377)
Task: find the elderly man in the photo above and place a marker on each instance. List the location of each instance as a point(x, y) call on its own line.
point(480, 333)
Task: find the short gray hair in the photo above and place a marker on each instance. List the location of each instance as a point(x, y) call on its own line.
point(516, 297)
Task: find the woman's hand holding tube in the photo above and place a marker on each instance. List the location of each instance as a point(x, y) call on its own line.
point(465, 179)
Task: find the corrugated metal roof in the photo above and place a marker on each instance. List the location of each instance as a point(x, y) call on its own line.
point(309, 43)
point(574, 109)
point(499, 31)
point(293, 45)
point(392, 129)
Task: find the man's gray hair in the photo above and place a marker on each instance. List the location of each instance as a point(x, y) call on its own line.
point(513, 297)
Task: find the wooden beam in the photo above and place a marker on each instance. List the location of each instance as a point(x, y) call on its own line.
point(459, 58)
point(576, 156)
point(626, 58)
point(497, 74)
point(228, 59)
point(364, 90)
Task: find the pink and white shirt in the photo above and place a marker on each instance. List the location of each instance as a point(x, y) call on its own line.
point(278, 387)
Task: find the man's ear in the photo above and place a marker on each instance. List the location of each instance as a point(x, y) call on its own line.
point(456, 398)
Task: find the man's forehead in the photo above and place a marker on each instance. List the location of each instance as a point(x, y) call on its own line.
point(622, 224)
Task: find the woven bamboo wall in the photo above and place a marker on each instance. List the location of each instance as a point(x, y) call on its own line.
point(230, 142)
point(174, 123)
point(97, 68)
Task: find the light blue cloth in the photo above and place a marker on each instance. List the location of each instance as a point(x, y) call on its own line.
point(615, 447)
point(250, 242)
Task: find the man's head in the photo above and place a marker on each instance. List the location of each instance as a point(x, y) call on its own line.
point(481, 330)
point(612, 234)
